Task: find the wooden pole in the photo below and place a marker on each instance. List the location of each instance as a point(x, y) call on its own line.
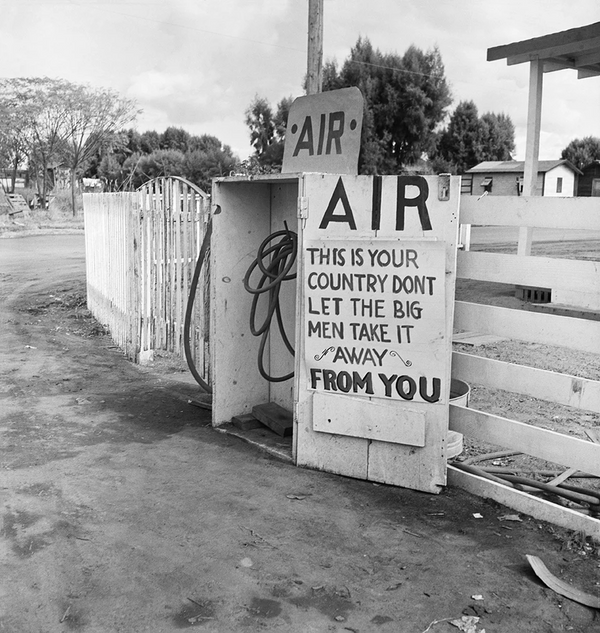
point(532, 146)
point(314, 75)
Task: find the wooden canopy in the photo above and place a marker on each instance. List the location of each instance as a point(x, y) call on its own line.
point(577, 48)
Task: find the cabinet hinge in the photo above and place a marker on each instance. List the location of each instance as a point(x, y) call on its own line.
point(302, 208)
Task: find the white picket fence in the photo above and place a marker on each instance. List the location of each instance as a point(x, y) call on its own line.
point(111, 297)
point(141, 252)
point(566, 278)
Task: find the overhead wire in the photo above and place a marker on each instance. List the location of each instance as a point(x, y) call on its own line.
point(189, 27)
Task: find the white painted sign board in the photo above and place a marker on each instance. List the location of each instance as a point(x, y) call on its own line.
point(323, 133)
point(377, 290)
point(375, 318)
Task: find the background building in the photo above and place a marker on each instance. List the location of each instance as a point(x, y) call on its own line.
point(556, 178)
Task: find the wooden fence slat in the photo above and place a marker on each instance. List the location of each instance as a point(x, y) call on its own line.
point(135, 285)
point(169, 261)
point(538, 383)
point(162, 338)
point(538, 211)
point(190, 233)
point(144, 273)
point(541, 272)
point(548, 445)
point(153, 257)
point(177, 202)
point(161, 288)
point(107, 261)
point(548, 329)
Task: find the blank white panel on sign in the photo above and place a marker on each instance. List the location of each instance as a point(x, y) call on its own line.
point(386, 422)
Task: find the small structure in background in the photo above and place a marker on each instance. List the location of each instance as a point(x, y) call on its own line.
point(20, 179)
point(92, 185)
point(556, 178)
point(589, 181)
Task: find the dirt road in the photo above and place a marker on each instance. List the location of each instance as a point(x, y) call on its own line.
point(123, 510)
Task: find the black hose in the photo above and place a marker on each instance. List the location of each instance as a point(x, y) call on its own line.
point(275, 261)
point(190, 306)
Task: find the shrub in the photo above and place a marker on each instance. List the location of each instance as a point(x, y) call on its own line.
point(60, 206)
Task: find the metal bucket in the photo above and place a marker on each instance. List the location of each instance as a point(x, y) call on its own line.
point(459, 394)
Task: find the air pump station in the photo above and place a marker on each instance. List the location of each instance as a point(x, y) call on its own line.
point(369, 312)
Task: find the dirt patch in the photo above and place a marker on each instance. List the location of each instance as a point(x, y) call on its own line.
point(123, 510)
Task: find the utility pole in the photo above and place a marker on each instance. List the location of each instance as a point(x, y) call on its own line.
point(314, 75)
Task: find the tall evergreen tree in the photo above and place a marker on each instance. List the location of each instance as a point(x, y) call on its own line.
point(406, 98)
point(498, 136)
point(461, 142)
point(469, 139)
point(582, 151)
point(267, 131)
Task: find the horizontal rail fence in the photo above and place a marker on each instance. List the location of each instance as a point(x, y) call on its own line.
point(535, 327)
point(141, 252)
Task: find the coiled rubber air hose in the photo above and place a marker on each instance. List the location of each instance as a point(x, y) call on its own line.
point(275, 261)
point(190, 306)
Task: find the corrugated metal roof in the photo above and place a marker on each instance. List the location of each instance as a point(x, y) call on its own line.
point(517, 166)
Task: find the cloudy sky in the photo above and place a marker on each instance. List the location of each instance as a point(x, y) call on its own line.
point(197, 64)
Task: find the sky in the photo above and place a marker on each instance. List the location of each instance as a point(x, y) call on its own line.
point(198, 64)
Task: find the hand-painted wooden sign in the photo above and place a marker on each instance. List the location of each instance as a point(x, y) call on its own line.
point(375, 318)
point(323, 133)
point(377, 299)
point(375, 307)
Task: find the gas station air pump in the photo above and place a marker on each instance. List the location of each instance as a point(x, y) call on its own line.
point(358, 272)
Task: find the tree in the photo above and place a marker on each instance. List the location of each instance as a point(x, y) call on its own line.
point(92, 119)
point(175, 138)
point(202, 165)
point(406, 98)
point(498, 136)
point(205, 143)
point(55, 123)
point(111, 172)
point(44, 108)
point(469, 139)
point(259, 118)
point(281, 117)
point(582, 152)
point(134, 158)
point(162, 162)
point(15, 129)
point(149, 141)
point(267, 131)
point(461, 142)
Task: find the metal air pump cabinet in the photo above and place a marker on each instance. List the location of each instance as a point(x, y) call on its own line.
point(370, 312)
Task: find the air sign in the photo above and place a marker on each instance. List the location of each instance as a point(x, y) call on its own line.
point(374, 277)
point(323, 133)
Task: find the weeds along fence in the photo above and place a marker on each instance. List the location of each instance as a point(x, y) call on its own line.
point(577, 279)
point(141, 252)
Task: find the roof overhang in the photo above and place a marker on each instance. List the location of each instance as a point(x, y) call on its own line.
point(578, 49)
